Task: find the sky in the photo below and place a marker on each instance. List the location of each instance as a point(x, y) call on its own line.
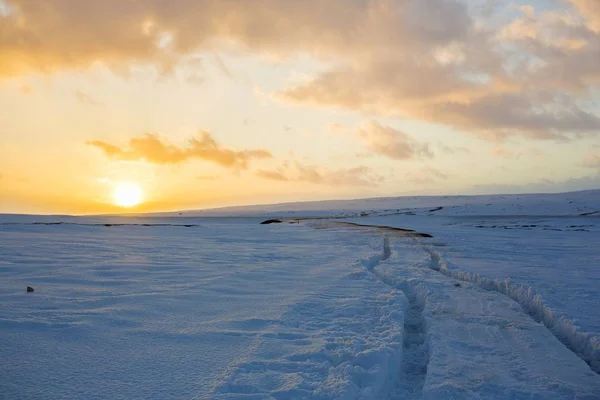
point(152, 105)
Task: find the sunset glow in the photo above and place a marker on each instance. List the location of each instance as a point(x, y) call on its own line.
point(325, 99)
point(127, 194)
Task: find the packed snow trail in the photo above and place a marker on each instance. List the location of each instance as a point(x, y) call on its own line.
point(497, 328)
point(415, 358)
point(481, 343)
point(416, 353)
point(342, 341)
point(585, 345)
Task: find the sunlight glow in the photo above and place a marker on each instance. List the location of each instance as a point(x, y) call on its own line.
point(127, 194)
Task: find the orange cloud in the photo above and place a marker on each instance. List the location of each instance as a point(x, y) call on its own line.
point(425, 175)
point(453, 150)
point(420, 59)
point(357, 176)
point(47, 36)
point(489, 109)
point(272, 175)
point(590, 9)
point(391, 143)
point(86, 99)
point(504, 153)
point(152, 149)
point(591, 160)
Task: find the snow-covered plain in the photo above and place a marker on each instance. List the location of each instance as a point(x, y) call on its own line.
point(501, 303)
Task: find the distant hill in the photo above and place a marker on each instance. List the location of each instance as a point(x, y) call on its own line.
point(570, 203)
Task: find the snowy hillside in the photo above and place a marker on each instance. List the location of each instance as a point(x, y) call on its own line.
point(572, 203)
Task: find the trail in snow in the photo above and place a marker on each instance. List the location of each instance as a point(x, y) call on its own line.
point(415, 349)
point(342, 340)
point(451, 330)
point(416, 355)
point(585, 345)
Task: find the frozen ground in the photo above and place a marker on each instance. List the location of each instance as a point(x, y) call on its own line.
point(224, 308)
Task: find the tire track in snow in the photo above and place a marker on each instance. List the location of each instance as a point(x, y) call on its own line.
point(415, 358)
point(583, 344)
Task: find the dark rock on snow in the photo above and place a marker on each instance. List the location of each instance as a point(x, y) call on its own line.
point(271, 221)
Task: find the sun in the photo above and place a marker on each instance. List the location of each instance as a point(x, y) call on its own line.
point(127, 194)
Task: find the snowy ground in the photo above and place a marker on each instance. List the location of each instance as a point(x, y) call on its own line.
point(225, 308)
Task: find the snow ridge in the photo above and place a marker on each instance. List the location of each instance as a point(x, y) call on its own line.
point(584, 344)
point(371, 262)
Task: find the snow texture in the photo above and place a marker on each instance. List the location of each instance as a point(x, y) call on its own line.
point(501, 303)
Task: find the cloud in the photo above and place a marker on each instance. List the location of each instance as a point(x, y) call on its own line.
point(429, 60)
point(537, 154)
point(86, 99)
point(297, 172)
point(153, 149)
point(425, 175)
point(223, 67)
point(555, 50)
point(48, 36)
point(195, 79)
point(543, 116)
point(391, 143)
point(591, 160)
point(491, 108)
point(272, 175)
point(454, 150)
point(505, 153)
point(337, 129)
point(589, 9)
point(481, 83)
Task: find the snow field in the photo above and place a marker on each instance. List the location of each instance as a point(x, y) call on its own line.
point(502, 303)
point(213, 311)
